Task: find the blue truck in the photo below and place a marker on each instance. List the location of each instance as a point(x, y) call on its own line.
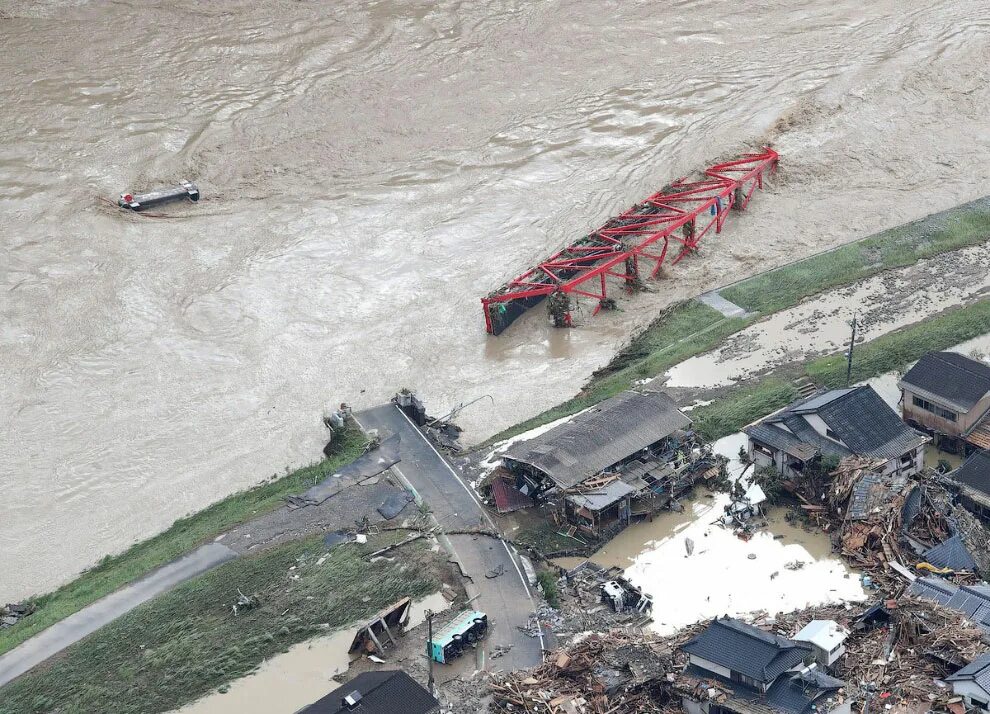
point(465, 629)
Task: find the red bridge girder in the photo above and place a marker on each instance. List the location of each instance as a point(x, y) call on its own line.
point(683, 213)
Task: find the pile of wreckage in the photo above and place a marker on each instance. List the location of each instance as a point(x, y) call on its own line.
point(14, 612)
point(605, 673)
point(889, 522)
point(593, 597)
point(905, 654)
point(622, 460)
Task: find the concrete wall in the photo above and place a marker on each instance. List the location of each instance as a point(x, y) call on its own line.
point(711, 666)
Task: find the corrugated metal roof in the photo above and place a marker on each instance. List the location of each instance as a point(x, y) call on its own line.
point(742, 648)
point(507, 497)
point(956, 378)
point(601, 437)
point(602, 497)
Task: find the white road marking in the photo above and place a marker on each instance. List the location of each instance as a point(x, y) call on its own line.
point(470, 492)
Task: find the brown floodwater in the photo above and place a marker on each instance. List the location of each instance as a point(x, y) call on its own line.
point(783, 567)
point(369, 170)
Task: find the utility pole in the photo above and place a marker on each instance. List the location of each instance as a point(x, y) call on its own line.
point(429, 651)
point(852, 343)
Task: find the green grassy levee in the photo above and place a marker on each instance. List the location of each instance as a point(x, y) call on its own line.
point(187, 642)
point(185, 534)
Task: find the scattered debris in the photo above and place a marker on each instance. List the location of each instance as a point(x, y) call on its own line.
point(140, 201)
point(14, 612)
point(244, 602)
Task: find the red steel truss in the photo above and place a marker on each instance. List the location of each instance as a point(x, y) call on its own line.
point(683, 212)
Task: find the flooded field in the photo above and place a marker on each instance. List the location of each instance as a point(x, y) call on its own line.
point(369, 170)
point(291, 681)
point(821, 324)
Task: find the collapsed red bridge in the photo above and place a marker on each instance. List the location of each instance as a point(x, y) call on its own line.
point(683, 212)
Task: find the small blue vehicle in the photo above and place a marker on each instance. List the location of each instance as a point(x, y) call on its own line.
point(466, 629)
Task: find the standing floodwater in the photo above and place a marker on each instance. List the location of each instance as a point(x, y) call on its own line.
point(368, 171)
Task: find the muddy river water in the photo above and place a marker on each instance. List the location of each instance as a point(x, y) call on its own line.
point(369, 170)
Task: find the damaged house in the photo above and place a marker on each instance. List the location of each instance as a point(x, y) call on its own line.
point(972, 479)
point(626, 457)
point(736, 667)
point(838, 423)
point(948, 395)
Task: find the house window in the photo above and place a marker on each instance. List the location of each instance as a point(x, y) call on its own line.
point(933, 408)
point(907, 458)
point(832, 435)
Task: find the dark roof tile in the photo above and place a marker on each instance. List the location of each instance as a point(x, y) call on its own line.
point(975, 472)
point(749, 650)
point(956, 378)
point(385, 692)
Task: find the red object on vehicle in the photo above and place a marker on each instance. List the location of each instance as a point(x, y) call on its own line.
point(684, 212)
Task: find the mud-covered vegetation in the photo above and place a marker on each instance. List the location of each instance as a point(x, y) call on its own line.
point(189, 641)
point(185, 534)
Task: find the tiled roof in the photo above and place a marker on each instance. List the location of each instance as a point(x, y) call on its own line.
point(955, 378)
point(780, 439)
point(971, 600)
point(748, 650)
point(601, 437)
point(977, 671)
point(975, 472)
point(860, 419)
point(868, 426)
point(950, 554)
point(599, 498)
point(381, 693)
point(790, 694)
point(797, 693)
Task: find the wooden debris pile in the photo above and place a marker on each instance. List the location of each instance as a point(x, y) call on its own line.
point(615, 672)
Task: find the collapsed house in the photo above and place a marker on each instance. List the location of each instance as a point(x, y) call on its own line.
point(837, 423)
point(948, 395)
point(736, 667)
point(625, 458)
point(972, 601)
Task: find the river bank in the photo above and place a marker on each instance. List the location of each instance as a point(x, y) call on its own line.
point(693, 328)
point(687, 330)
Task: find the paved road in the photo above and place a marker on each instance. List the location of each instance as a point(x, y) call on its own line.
point(508, 599)
point(92, 617)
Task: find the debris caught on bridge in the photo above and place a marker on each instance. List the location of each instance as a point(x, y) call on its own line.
point(683, 212)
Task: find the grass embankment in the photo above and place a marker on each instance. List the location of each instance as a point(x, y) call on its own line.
point(185, 534)
point(898, 247)
point(682, 331)
point(188, 642)
point(691, 328)
point(887, 353)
